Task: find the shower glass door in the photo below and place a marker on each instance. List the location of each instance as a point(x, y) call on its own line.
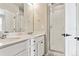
point(57, 28)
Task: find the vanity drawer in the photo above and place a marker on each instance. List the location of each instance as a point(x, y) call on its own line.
point(23, 53)
point(13, 50)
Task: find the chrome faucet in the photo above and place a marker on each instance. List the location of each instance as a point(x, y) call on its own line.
point(29, 33)
point(3, 36)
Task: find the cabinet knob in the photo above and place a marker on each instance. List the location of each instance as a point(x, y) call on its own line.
point(33, 41)
point(41, 42)
point(34, 50)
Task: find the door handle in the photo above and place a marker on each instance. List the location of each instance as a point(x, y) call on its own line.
point(65, 35)
point(76, 38)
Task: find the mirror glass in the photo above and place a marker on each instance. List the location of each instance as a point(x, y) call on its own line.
point(11, 17)
point(7, 21)
point(16, 17)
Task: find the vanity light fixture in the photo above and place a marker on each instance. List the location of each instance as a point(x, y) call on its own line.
point(33, 5)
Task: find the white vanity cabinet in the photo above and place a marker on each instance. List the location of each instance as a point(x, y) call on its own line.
point(25, 51)
point(14, 50)
point(31, 47)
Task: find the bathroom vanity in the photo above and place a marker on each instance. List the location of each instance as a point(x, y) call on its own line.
point(21, 17)
point(27, 45)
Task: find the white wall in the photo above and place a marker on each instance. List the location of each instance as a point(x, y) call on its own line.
point(36, 14)
point(40, 18)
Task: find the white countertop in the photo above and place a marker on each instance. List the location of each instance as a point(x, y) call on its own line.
point(10, 41)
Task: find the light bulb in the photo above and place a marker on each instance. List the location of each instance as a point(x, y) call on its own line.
point(33, 5)
point(30, 4)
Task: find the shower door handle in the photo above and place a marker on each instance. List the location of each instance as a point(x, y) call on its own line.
point(65, 35)
point(77, 38)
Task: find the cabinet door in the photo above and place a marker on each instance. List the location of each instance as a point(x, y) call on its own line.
point(13, 50)
point(33, 48)
point(23, 53)
point(41, 46)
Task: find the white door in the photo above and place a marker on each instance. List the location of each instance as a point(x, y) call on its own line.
point(70, 28)
point(57, 28)
point(77, 29)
